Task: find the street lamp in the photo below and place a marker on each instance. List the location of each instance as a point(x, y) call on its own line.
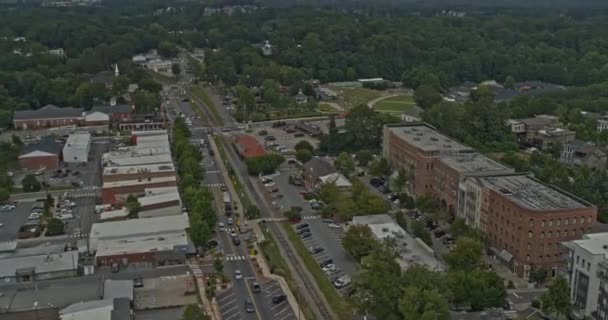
point(36, 309)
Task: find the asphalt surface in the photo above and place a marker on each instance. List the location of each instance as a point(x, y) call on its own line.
point(236, 257)
point(13, 220)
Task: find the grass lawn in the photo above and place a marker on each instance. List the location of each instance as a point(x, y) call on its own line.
point(351, 97)
point(342, 309)
point(394, 104)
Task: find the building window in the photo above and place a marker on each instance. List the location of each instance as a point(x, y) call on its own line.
point(549, 234)
point(573, 220)
point(582, 220)
point(559, 221)
point(557, 233)
point(529, 246)
point(589, 220)
point(531, 222)
point(573, 232)
point(566, 221)
point(542, 235)
point(588, 266)
point(528, 258)
point(530, 235)
point(542, 224)
point(577, 259)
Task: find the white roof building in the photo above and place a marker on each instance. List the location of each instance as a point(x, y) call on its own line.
point(45, 266)
point(411, 250)
point(336, 178)
point(143, 244)
point(133, 159)
point(97, 116)
point(76, 148)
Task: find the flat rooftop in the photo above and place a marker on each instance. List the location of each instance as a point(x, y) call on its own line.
point(153, 141)
point(474, 163)
point(157, 243)
point(410, 250)
point(532, 194)
point(130, 159)
point(135, 227)
point(594, 243)
point(165, 167)
point(158, 198)
point(140, 133)
point(160, 190)
point(79, 139)
point(124, 183)
point(40, 263)
point(426, 138)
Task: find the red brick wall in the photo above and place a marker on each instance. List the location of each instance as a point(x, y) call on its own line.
point(97, 123)
point(35, 163)
point(108, 195)
point(45, 123)
point(135, 257)
point(533, 237)
point(419, 164)
point(135, 176)
point(445, 185)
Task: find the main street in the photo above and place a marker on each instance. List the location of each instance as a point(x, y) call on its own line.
point(236, 257)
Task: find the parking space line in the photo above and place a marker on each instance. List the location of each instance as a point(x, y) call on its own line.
point(231, 317)
point(289, 316)
point(219, 301)
point(282, 310)
point(276, 306)
point(275, 291)
point(232, 306)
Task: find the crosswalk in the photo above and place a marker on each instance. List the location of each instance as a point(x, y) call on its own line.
point(310, 217)
point(89, 188)
point(234, 257)
point(212, 185)
point(212, 171)
point(84, 195)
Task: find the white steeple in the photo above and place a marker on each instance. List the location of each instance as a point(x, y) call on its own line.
point(116, 72)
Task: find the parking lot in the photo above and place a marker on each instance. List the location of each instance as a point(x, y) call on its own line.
point(286, 137)
point(12, 220)
point(232, 307)
point(164, 292)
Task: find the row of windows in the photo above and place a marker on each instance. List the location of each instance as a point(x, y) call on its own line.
point(558, 221)
point(558, 233)
point(583, 262)
point(547, 258)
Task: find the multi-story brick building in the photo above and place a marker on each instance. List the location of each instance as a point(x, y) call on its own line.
point(523, 219)
point(526, 220)
point(117, 192)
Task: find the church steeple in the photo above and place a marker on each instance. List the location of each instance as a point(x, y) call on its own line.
point(116, 72)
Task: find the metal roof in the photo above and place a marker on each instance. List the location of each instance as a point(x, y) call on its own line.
point(47, 144)
point(55, 262)
point(48, 112)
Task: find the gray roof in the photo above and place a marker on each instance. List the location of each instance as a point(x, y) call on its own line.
point(103, 78)
point(119, 108)
point(426, 138)
point(319, 167)
point(86, 305)
point(113, 289)
point(532, 194)
point(474, 163)
point(63, 261)
point(373, 219)
point(308, 128)
point(46, 144)
point(122, 309)
point(48, 112)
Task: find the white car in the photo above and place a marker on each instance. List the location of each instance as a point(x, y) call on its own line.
point(222, 227)
point(334, 226)
point(269, 184)
point(238, 274)
point(330, 267)
point(65, 216)
point(229, 221)
point(233, 234)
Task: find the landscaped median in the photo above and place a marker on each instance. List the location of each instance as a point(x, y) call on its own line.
point(336, 302)
point(233, 178)
point(198, 92)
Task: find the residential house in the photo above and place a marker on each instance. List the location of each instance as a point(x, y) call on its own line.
point(325, 94)
point(584, 153)
point(602, 123)
point(301, 98)
point(545, 139)
point(315, 168)
point(337, 179)
point(116, 113)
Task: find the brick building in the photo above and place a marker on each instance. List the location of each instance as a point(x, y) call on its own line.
point(526, 220)
point(248, 147)
point(523, 219)
point(118, 191)
point(117, 113)
point(43, 154)
point(48, 116)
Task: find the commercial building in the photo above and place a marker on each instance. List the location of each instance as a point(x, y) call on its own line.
point(164, 204)
point(47, 117)
point(522, 218)
point(143, 172)
point(77, 147)
point(411, 250)
point(316, 168)
point(585, 154)
point(25, 269)
point(525, 220)
point(137, 227)
point(145, 250)
point(43, 154)
point(116, 113)
point(249, 147)
point(107, 309)
point(587, 270)
point(96, 118)
point(117, 191)
point(133, 158)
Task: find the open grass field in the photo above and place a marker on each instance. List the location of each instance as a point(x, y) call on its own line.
point(350, 97)
point(394, 104)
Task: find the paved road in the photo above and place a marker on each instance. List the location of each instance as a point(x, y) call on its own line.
point(236, 257)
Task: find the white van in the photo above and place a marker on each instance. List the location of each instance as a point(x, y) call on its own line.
point(342, 282)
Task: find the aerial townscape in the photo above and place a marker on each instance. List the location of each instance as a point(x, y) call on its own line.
point(303, 159)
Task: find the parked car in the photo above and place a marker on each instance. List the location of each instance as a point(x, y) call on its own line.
point(302, 226)
point(222, 227)
point(263, 132)
point(236, 241)
point(65, 216)
point(138, 282)
point(342, 282)
point(298, 135)
point(325, 262)
point(238, 274)
point(270, 138)
point(376, 182)
point(277, 196)
point(315, 250)
point(249, 306)
point(230, 221)
point(114, 268)
point(278, 299)
point(334, 226)
point(256, 287)
point(306, 235)
point(303, 231)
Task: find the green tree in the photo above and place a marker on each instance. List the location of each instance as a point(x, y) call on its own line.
point(194, 312)
point(363, 157)
point(359, 241)
point(4, 194)
point(265, 164)
point(345, 164)
point(16, 140)
point(253, 212)
point(218, 263)
point(466, 254)
point(556, 300)
point(380, 167)
point(419, 230)
point(176, 69)
point(167, 49)
point(303, 155)
point(133, 206)
point(538, 275)
point(294, 213)
point(30, 183)
point(304, 145)
point(423, 304)
point(55, 227)
point(426, 96)
point(400, 181)
point(509, 82)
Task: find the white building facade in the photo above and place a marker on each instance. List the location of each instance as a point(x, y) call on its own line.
point(76, 149)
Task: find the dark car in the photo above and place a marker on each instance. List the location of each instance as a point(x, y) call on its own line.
point(302, 226)
point(278, 299)
point(256, 287)
point(138, 282)
point(376, 182)
point(303, 231)
point(325, 262)
point(115, 268)
point(306, 235)
point(75, 173)
point(249, 306)
point(270, 138)
point(316, 250)
point(439, 233)
point(263, 132)
point(274, 190)
point(277, 196)
point(236, 241)
point(211, 153)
